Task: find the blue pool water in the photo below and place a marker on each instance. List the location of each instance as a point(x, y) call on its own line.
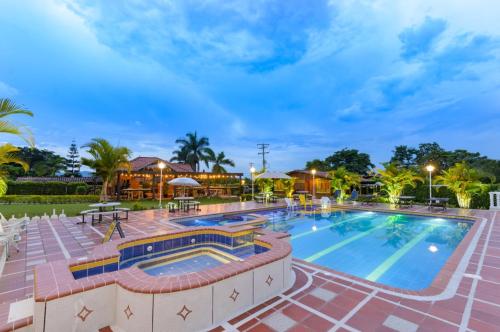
point(398, 250)
point(216, 221)
point(188, 265)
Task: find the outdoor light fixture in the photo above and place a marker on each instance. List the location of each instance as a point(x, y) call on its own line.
point(313, 172)
point(252, 172)
point(432, 248)
point(430, 169)
point(161, 166)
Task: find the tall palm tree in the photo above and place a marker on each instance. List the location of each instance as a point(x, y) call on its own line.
point(196, 149)
point(8, 108)
point(180, 155)
point(342, 179)
point(7, 156)
point(464, 181)
point(106, 161)
point(395, 178)
point(218, 161)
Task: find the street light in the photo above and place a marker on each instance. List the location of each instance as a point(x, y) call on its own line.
point(252, 171)
point(161, 166)
point(430, 169)
point(313, 172)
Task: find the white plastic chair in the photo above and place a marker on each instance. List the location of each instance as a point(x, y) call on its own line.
point(290, 205)
point(325, 202)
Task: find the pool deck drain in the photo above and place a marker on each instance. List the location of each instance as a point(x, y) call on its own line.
point(320, 299)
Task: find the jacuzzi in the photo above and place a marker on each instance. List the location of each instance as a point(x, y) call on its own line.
point(184, 280)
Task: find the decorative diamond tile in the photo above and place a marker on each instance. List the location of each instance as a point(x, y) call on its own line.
point(84, 313)
point(128, 312)
point(269, 280)
point(234, 295)
point(184, 312)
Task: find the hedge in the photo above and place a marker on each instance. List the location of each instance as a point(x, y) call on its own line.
point(48, 199)
point(47, 188)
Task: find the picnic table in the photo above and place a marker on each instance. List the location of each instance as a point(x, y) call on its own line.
point(441, 202)
point(101, 209)
point(406, 201)
point(186, 203)
point(135, 193)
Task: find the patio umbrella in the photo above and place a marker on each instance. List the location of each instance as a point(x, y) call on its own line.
point(184, 182)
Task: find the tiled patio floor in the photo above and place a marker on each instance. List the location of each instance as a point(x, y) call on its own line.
point(320, 299)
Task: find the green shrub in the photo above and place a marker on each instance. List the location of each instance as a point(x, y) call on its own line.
point(48, 199)
point(81, 190)
point(45, 188)
point(138, 207)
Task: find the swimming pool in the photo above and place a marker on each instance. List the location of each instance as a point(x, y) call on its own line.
point(217, 220)
point(398, 250)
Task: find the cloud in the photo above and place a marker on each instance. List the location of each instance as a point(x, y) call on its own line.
point(418, 40)
point(6, 90)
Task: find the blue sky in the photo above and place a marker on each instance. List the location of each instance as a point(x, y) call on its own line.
point(308, 77)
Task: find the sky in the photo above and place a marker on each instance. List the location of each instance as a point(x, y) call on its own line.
point(308, 77)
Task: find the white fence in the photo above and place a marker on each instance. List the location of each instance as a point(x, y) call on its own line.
point(495, 200)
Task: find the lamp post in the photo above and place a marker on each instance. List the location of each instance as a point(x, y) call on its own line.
point(313, 172)
point(161, 166)
point(252, 172)
point(430, 169)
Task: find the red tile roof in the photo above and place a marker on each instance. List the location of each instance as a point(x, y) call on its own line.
point(140, 163)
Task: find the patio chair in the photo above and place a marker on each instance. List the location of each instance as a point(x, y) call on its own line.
point(354, 196)
point(336, 194)
point(305, 202)
point(290, 204)
point(325, 202)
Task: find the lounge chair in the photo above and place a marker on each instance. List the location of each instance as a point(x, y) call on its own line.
point(336, 195)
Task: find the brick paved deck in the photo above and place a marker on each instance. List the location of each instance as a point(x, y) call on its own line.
point(320, 299)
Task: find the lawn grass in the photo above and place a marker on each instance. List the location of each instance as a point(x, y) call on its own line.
point(73, 209)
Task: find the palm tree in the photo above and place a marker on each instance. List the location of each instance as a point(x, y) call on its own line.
point(106, 161)
point(7, 156)
point(395, 178)
point(464, 181)
point(8, 108)
point(180, 155)
point(218, 161)
point(194, 149)
point(343, 180)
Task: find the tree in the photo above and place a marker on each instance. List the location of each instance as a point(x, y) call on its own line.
point(9, 108)
point(404, 156)
point(219, 161)
point(319, 165)
point(194, 149)
point(288, 186)
point(464, 181)
point(432, 153)
point(106, 160)
point(395, 178)
point(8, 156)
point(180, 155)
point(40, 163)
point(73, 161)
point(342, 179)
point(351, 159)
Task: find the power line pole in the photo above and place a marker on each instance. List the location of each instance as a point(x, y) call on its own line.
point(263, 147)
